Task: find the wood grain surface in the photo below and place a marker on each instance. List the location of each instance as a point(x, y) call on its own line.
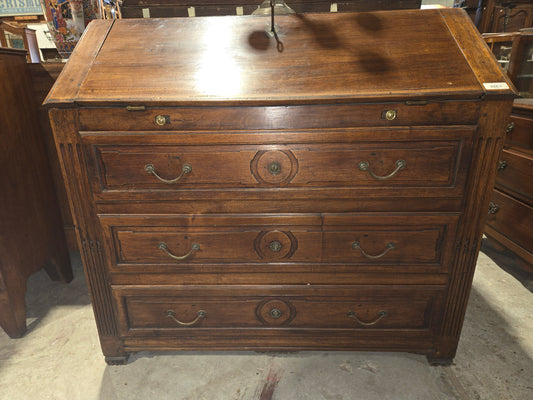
point(326, 57)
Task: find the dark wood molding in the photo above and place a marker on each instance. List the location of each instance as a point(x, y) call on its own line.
point(65, 125)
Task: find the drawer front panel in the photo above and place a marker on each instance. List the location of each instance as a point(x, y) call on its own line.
point(392, 245)
point(282, 117)
point(121, 171)
point(244, 243)
point(522, 134)
point(221, 245)
point(516, 174)
point(424, 164)
point(175, 309)
point(511, 218)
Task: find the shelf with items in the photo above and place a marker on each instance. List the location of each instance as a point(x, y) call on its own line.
point(514, 52)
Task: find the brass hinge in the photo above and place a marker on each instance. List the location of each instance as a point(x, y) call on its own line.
point(416, 102)
point(136, 108)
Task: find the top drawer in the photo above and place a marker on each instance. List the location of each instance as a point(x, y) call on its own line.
point(344, 163)
point(279, 117)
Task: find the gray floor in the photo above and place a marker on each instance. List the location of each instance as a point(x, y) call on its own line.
point(60, 358)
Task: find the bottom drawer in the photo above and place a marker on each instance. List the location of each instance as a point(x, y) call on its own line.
point(159, 311)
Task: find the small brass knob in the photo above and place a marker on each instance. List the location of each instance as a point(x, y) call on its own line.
point(493, 208)
point(160, 120)
point(275, 246)
point(274, 168)
point(364, 165)
point(390, 115)
point(275, 313)
point(502, 165)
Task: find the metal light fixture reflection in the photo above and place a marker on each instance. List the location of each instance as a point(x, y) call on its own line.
point(280, 8)
point(273, 7)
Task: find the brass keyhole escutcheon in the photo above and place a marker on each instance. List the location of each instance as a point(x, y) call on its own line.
point(275, 246)
point(274, 168)
point(160, 120)
point(275, 313)
point(390, 115)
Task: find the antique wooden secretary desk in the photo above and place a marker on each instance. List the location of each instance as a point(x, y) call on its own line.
point(228, 195)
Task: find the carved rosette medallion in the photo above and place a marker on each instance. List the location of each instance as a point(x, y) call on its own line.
point(274, 167)
point(275, 245)
point(275, 312)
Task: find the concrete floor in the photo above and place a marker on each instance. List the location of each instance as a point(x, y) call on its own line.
point(60, 358)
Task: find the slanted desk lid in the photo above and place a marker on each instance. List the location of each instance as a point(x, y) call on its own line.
point(345, 57)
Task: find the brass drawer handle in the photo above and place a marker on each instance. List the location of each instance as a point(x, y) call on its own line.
point(172, 315)
point(509, 128)
point(186, 169)
point(502, 165)
point(365, 166)
point(493, 208)
point(382, 314)
point(275, 313)
point(357, 246)
point(163, 247)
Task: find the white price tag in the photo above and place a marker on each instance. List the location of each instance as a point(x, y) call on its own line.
point(495, 86)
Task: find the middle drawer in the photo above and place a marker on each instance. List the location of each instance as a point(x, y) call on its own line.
point(279, 243)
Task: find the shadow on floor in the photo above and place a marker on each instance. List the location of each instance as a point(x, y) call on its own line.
point(43, 294)
point(507, 261)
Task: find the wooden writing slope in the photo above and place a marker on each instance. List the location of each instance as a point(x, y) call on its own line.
point(330, 196)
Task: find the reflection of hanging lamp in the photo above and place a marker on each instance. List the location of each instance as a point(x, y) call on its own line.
point(280, 8)
point(273, 7)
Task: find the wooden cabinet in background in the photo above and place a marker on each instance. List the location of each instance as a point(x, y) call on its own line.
point(31, 232)
point(229, 195)
point(43, 76)
point(506, 16)
point(510, 221)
